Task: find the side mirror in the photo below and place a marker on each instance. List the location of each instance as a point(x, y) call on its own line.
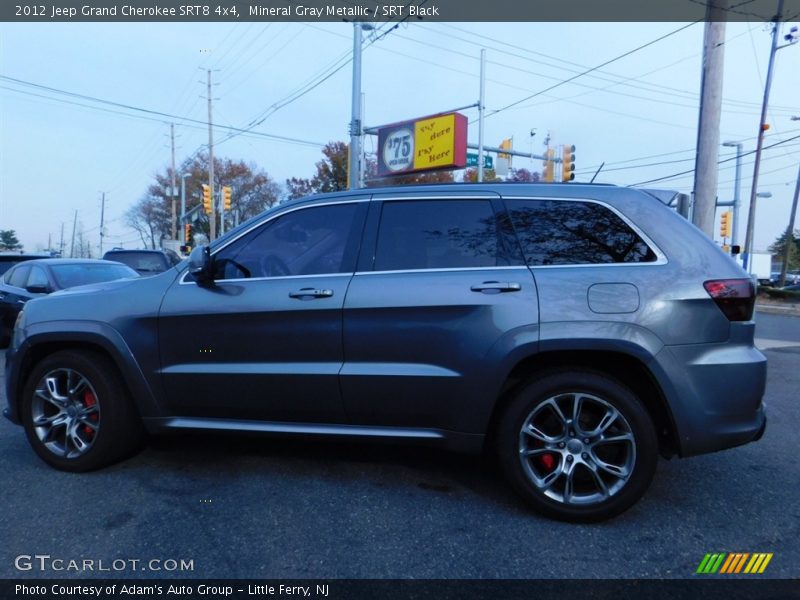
point(38, 289)
point(201, 265)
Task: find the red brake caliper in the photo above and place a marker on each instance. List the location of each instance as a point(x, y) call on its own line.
point(548, 461)
point(89, 400)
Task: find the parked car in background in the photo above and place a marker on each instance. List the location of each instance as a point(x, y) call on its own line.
point(34, 278)
point(792, 277)
point(9, 259)
point(575, 331)
point(145, 262)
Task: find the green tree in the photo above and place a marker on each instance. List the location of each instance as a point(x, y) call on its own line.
point(8, 240)
point(779, 245)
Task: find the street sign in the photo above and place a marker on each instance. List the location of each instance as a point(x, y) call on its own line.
point(472, 160)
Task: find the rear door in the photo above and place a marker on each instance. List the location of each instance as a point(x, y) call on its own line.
point(440, 298)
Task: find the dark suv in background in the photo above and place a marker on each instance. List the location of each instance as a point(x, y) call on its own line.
point(9, 259)
point(145, 262)
point(577, 331)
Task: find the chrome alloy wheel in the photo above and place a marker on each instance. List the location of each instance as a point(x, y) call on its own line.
point(65, 413)
point(577, 449)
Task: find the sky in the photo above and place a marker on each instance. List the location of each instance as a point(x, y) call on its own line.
point(59, 152)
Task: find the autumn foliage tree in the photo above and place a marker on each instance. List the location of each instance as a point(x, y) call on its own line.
point(331, 175)
point(253, 191)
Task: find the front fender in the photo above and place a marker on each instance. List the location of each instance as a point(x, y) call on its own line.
point(43, 338)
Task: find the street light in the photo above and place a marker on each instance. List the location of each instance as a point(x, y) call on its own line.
point(751, 223)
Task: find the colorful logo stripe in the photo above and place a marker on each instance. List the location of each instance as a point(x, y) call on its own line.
point(734, 562)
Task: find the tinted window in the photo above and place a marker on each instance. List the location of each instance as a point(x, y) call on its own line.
point(437, 234)
point(70, 275)
point(310, 241)
point(19, 276)
point(144, 262)
point(554, 232)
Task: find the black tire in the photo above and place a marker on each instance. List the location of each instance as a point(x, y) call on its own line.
point(77, 414)
point(581, 470)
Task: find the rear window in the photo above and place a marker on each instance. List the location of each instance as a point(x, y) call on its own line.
point(71, 275)
point(144, 262)
point(558, 232)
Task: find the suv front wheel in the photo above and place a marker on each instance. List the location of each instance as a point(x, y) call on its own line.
point(578, 445)
point(76, 413)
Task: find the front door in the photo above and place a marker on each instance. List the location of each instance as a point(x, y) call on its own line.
point(265, 341)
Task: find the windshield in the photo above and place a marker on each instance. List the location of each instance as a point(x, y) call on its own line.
point(71, 275)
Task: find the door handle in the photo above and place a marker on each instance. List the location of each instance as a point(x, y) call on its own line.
point(496, 287)
point(310, 293)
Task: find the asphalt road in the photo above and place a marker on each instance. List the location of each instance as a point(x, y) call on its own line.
point(266, 508)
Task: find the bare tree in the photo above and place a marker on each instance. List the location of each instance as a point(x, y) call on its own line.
point(150, 218)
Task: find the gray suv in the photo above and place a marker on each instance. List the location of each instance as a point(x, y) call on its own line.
point(577, 331)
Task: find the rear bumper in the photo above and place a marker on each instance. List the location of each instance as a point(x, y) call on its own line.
point(715, 392)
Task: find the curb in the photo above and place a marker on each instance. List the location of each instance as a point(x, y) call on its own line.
point(788, 310)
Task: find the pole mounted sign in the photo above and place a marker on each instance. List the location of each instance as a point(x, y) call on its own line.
point(430, 143)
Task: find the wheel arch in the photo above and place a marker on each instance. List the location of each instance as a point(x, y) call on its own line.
point(39, 347)
point(627, 369)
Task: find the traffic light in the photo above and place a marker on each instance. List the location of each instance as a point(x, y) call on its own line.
point(506, 144)
point(187, 234)
point(548, 172)
point(208, 207)
point(226, 197)
point(725, 224)
point(567, 163)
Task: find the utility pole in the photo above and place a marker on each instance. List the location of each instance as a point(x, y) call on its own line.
point(789, 241)
point(751, 213)
point(212, 218)
point(102, 216)
point(174, 182)
point(707, 154)
point(354, 166)
point(481, 110)
point(61, 243)
point(72, 246)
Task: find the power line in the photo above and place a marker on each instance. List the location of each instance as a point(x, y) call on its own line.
point(586, 72)
point(275, 137)
point(674, 175)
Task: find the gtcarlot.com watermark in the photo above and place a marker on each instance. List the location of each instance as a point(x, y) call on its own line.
point(44, 563)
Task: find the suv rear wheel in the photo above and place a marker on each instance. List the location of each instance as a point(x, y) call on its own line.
point(578, 445)
point(76, 414)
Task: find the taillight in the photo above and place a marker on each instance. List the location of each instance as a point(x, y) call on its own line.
point(735, 297)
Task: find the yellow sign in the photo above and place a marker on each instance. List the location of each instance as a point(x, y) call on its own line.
point(434, 142)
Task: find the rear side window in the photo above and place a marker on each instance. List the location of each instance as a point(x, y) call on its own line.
point(19, 276)
point(557, 232)
point(437, 234)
